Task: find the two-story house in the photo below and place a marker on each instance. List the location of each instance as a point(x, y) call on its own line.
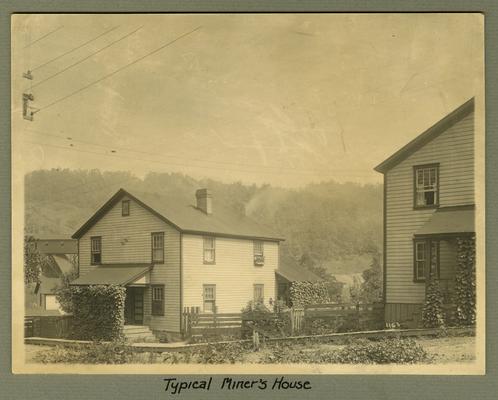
point(171, 254)
point(428, 203)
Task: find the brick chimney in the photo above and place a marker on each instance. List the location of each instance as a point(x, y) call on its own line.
point(204, 200)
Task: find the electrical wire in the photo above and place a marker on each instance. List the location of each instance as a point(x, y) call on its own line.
point(86, 58)
point(117, 70)
point(74, 49)
point(44, 36)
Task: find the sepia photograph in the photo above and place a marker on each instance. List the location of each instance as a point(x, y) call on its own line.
point(239, 193)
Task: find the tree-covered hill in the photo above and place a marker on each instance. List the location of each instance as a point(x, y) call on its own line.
point(330, 226)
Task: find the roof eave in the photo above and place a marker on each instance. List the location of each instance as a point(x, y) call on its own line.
point(425, 137)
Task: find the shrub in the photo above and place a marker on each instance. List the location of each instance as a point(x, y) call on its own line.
point(465, 282)
point(98, 311)
point(257, 316)
point(95, 353)
point(303, 293)
point(399, 351)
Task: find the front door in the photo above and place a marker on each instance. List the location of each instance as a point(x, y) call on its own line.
point(134, 306)
point(209, 295)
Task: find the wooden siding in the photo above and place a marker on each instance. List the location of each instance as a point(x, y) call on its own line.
point(234, 273)
point(128, 240)
point(454, 151)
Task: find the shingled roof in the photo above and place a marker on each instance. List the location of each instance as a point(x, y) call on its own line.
point(424, 138)
point(187, 218)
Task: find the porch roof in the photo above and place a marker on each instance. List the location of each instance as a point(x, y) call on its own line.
point(113, 274)
point(449, 220)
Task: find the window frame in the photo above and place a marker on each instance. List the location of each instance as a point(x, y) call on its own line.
point(157, 305)
point(258, 286)
point(417, 168)
point(92, 253)
point(211, 300)
point(428, 253)
point(205, 249)
point(123, 202)
point(152, 248)
point(262, 254)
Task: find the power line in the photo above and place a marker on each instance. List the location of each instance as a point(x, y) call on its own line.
point(44, 36)
point(85, 58)
point(281, 172)
point(74, 49)
point(118, 70)
point(113, 148)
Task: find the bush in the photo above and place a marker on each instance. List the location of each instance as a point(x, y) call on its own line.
point(399, 351)
point(255, 316)
point(303, 293)
point(95, 353)
point(98, 311)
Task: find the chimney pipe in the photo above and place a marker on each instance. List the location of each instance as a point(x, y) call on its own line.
point(204, 200)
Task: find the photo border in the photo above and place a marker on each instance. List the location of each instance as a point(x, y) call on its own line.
point(345, 387)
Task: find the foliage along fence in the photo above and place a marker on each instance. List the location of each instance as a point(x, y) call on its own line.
point(57, 326)
point(337, 317)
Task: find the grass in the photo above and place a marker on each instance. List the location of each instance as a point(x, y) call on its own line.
point(459, 349)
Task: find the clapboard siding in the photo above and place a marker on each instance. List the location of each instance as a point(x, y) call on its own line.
point(454, 151)
point(128, 240)
point(234, 273)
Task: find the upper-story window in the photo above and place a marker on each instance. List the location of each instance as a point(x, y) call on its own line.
point(125, 208)
point(158, 247)
point(209, 250)
point(96, 250)
point(259, 255)
point(426, 186)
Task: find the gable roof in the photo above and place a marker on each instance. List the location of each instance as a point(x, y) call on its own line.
point(291, 271)
point(187, 218)
point(424, 138)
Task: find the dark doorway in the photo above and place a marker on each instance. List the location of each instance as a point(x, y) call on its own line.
point(134, 306)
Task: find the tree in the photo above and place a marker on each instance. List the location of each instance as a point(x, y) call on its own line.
point(32, 261)
point(370, 290)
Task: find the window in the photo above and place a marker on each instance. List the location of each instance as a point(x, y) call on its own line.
point(426, 259)
point(209, 298)
point(259, 256)
point(259, 293)
point(51, 302)
point(426, 186)
point(209, 250)
point(158, 247)
point(125, 208)
point(96, 250)
point(157, 307)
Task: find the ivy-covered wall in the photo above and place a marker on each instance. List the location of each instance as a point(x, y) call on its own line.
point(98, 311)
point(465, 282)
point(303, 293)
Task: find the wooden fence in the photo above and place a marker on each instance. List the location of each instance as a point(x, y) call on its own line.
point(342, 316)
point(48, 326)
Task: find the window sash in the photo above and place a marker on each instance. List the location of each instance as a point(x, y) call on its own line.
point(158, 247)
point(125, 208)
point(259, 293)
point(157, 300)
point(209, 293)
point(95, 250)
point(426, 182)
point(209, 249)
point(258, 248)
point(426, 259)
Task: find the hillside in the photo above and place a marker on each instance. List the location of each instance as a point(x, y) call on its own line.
point(330, 226)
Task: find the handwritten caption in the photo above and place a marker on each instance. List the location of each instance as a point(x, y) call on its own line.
point(177, 386)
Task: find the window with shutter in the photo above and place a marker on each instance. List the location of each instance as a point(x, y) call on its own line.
point(157, 307)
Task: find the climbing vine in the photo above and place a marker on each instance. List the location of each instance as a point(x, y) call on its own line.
point(465, 282)
point(433, 312)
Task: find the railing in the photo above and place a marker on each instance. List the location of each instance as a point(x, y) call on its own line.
point(48, 326)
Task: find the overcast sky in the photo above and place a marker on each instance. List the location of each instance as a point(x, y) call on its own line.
point(285, 99)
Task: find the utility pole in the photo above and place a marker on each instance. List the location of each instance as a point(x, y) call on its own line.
point(27, 110)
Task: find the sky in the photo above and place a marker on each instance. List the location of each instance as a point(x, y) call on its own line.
point(284, 99)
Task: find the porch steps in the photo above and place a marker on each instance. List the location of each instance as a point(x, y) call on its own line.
point(139, 333)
